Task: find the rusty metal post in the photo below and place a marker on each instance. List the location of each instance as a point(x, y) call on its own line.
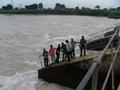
point(112, 73)
point(95, 79)
point(113, 85)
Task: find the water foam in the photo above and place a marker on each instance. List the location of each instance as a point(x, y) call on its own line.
point(19, 81)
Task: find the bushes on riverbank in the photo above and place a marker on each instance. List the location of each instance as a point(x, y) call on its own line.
point(60, 9)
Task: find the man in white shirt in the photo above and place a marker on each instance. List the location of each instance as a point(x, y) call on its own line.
point(68, 50)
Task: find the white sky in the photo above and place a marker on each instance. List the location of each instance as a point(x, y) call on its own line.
point(68, 3)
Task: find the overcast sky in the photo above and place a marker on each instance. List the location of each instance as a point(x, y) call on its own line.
point(68, 3)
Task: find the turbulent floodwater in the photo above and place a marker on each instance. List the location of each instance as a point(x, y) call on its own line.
point(22, 38)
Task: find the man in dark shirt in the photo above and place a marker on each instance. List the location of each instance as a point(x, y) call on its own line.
point(45, 55)
point(83, 44)
point(58, 53)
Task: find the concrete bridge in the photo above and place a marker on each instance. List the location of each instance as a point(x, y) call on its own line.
point(99, 70)
point(70, 73)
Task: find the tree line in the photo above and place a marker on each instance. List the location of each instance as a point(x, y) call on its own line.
point(61, 9)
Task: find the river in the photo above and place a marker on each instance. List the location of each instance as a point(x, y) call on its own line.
point(22, 38)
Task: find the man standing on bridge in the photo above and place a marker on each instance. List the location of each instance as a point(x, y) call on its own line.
point(68, 53)
point(45, 55)
point(83, 44)
point(73, 48)
point(52, 53)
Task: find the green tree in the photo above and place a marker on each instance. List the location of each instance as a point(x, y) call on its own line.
point(97, 7)
point(82, 8)
point(16, 8)
point(118, 8)
point(4, 7)
point(32, 6)
point(63, 6)
point(59, 6)
point(40, 5)
point(8, 7)
point(77, 8)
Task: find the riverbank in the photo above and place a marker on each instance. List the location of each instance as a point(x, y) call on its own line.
point(100, 13)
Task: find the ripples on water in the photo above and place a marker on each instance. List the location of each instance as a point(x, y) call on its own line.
point(22, 38)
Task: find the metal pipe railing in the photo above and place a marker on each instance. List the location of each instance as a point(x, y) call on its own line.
point(87, 77)
point(109, 71)
point(99, 46)
point(94, 66)
point(99, 34)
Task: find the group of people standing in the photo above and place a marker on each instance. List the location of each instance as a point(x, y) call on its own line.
point(66, 49)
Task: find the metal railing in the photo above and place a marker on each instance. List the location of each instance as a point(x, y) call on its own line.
point(93, 70)
point(77, 51)
point(99, 34)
